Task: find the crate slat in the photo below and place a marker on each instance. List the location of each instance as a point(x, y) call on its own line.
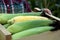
point(4, 34)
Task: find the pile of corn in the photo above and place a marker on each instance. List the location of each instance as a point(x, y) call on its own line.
point(26, 24)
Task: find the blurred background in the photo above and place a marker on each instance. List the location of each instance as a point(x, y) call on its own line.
point(22, 6)
point(53, 5)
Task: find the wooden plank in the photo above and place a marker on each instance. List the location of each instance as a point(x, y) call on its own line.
point(4, 34)
point(44, 36)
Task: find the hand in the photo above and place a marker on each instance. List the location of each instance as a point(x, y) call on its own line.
point(47, 11)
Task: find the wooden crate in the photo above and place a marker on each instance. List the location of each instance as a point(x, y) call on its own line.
point(5, 35)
